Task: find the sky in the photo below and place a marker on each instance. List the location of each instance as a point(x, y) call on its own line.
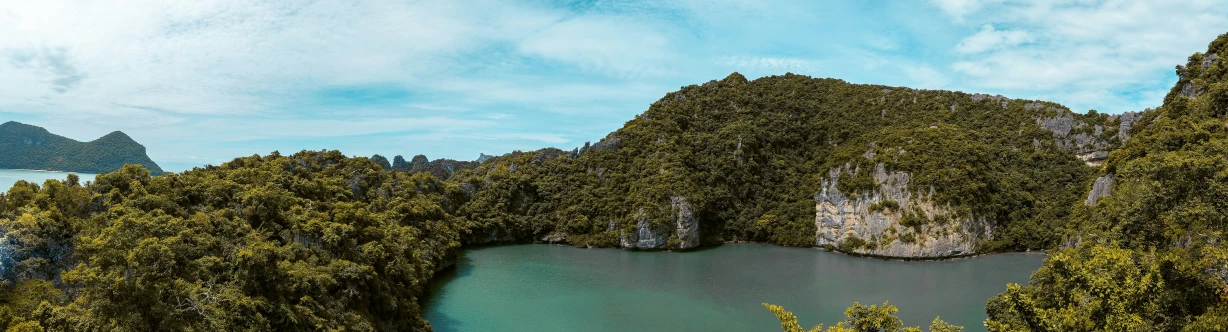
point(202, 82)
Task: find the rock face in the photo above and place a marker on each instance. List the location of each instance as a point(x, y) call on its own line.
point(1102, 187)
point(683, 231)
point(1088, 142)
point(878, 222)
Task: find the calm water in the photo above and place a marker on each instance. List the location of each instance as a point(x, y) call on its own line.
point(10, 176)
point(542, 287)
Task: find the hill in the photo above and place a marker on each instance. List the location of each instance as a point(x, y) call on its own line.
point(800, 161)
point(31, 147)
point(1144, 250)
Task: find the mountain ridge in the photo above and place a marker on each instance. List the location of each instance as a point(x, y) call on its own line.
point(33, 147)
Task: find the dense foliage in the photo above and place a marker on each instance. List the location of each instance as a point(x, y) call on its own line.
point(313, 241)
point(750, 156)
point(860, 318)
point(29, 147)
point(1150, 255)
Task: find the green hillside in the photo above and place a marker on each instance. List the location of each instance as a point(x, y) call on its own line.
point(31, 147)
point(1147, 253)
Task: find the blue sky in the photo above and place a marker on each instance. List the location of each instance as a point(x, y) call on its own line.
point(205, 81)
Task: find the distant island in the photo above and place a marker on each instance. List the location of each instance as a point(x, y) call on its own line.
point(32, 147)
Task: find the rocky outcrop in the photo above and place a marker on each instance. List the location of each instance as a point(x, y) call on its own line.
point(686, 225)
point(1088, 142)
point(1102, 187)
point(893, 220)
point(681, 233)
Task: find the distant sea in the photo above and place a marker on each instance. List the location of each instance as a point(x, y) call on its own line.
point(10, 176)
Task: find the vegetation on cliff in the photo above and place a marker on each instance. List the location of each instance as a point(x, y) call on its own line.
point(749, 157)
point(1149, 255)
point(31, 147)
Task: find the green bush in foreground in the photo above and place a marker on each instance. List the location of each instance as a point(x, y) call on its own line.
point(860, 318)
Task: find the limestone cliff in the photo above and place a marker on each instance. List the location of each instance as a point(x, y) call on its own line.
point(892, 221)
point(682, 232)
point(1090, 142)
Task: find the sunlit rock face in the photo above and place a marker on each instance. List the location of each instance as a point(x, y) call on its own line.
point(1089, 142)
point(893, 220)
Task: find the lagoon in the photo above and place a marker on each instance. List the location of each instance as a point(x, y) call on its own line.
point(540, 287)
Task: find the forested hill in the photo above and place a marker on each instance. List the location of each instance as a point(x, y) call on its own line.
point(30, 147)
point(803, 161)
point(1146, 249)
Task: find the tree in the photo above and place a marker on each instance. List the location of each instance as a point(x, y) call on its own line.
point(860, 318)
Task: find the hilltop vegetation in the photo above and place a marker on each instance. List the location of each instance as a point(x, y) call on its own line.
point(1148, 255)
point(314, 241)
point(31, 147)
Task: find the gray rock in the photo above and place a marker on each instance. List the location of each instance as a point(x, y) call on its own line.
point(1059, 125)
point(687, 225)
point(646, 235)
point(839, 218)
point(555, 238)
point(1188, 90)
point(1209, 60)
point(655, 236)
point(610, 142)
point(1101, 188)
point(1125, 123)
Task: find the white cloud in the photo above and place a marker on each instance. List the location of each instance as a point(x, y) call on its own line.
point(230, 68)
point(620, 46)
point(1109, 55)
point(773, 64)
point(989, 39)
point(958, 9)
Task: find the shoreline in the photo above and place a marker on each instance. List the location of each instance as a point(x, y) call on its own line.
point(42, 171)
point(830, 250)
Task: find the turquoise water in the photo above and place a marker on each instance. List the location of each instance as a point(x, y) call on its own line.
point(10, 176)
point(540, 287)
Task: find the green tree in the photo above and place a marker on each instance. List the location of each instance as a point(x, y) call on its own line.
point(860, 318)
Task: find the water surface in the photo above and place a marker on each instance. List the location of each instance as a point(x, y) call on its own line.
point(540, 287)
point(10, 176)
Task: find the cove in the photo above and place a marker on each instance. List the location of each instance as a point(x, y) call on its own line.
point(541, 287)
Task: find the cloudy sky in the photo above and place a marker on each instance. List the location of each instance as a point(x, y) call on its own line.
point(204, 81)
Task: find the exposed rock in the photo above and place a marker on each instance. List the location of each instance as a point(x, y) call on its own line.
point(646, 234)
point(841, 220)
point(1208, 60)
point(482, 157)
point(609, 142)
point(687, 224)
point(1125, 123)
point(554, 238)
point(1101, 188)
point(1188, 90)
point(1073, 134)
point(1060, 125)
point(650, 235)
point(1095, 158)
